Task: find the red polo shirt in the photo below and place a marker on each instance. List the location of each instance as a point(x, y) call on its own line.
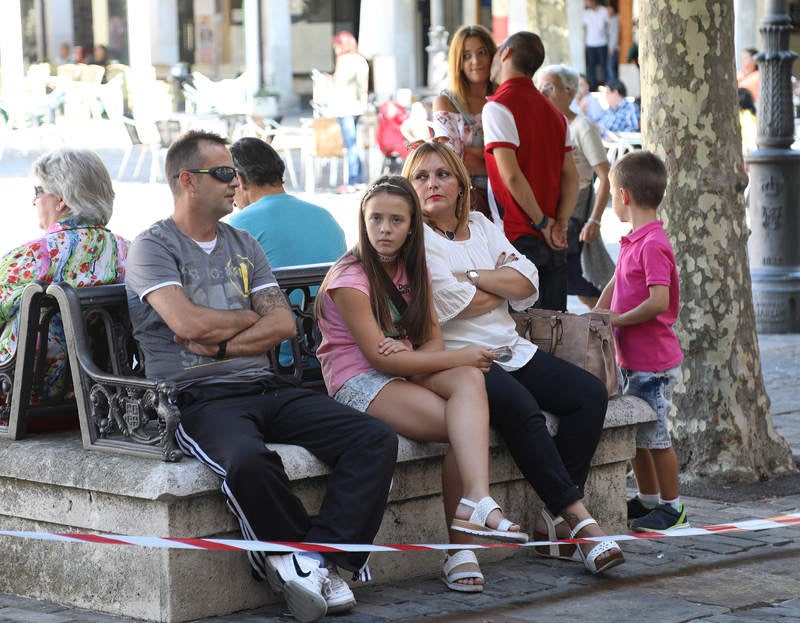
point(519, 117)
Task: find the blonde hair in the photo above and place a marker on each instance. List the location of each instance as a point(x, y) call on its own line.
point(454, 163)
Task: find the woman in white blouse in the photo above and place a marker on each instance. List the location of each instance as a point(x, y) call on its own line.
point(475, 274)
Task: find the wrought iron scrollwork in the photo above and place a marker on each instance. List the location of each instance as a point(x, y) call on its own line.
point(6, 387)
point(144, 416)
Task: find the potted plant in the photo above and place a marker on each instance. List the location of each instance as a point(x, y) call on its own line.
point(265, 102)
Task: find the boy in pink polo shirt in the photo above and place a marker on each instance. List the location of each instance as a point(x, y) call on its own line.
point(644, 298)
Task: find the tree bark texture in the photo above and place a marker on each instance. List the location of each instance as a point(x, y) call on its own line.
point(722, 428)
point(548, 19)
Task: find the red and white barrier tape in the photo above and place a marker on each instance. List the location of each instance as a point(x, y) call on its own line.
point(751, 525)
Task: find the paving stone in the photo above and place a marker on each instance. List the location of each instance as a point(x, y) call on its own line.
point(729, 587)
point(34, 614)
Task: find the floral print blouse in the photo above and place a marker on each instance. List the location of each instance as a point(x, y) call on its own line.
point(69, 251)
point(463, 129)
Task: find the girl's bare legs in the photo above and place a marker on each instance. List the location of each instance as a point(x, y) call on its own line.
point(446, 406)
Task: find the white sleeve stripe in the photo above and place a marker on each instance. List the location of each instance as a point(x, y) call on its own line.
point(158, 286)
point(266, 285)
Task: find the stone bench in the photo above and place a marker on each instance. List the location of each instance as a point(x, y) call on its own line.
point(49, 482)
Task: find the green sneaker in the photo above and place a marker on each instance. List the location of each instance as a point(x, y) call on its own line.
point(662, 517)
point(636, 508)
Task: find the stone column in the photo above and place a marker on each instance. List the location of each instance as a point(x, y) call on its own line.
point(437, 48)
point(775, 184)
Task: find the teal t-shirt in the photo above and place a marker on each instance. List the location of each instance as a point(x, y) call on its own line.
point(292, 232)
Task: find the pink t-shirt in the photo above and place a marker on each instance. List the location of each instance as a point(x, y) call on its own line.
point(646, 259)
point(339, 356)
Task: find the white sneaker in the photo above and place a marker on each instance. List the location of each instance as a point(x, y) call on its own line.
point(303, 584)
point(338, 594)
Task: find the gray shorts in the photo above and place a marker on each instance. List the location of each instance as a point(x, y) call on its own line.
point(359, 391)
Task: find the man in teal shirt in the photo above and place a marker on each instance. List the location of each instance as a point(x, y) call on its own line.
point(290, 231)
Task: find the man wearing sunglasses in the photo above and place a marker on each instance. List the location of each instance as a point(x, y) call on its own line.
point(206, 308)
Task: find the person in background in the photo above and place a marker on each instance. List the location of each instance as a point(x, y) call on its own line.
point(291, 231)
point(476, 274)
point(205, 309)
point(643, 300)
point(747, 119)
point(351, 84)
point(64, 55)
point(530, 164)
point(621, 114)
point(559, 84)
point(612, 60)
point(595, 35)
point(585, 103)
point(382, 352)
point(749, 77)
point(457, 110)
point(74, 200)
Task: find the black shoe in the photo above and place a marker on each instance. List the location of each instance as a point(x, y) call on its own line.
point(636, 508)
point(662, 517)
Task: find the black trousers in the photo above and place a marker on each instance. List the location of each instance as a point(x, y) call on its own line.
point(552, 267)
point(226, 425)
point(557, 467)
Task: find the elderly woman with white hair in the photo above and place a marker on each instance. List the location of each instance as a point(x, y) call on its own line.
point(74, 199)
point(589, 267)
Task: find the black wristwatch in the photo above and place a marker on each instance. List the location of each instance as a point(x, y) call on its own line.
point(542, 224)
point(223, 347)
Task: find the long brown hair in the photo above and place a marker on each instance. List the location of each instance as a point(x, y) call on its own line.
point(458, 84)
point(415, 321)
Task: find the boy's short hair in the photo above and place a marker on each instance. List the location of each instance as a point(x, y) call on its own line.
point(643, 174)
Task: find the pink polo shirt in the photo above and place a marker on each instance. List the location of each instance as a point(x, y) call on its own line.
point(646, 259)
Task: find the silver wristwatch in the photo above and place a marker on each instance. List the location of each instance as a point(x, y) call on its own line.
point(473, 276)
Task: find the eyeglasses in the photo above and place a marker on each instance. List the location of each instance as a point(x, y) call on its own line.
point(223, 174)
point(38, 191)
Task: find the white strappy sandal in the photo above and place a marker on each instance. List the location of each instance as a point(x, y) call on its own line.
point(562, 551)
point(590, 559)
point(461, 557)
point(476, 524)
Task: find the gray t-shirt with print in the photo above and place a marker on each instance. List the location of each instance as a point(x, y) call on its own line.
point(222, 279)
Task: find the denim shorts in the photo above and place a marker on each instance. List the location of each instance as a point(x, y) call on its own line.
point(655, 388)
point(359, 391)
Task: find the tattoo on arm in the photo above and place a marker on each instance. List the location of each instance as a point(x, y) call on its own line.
point(267, 300)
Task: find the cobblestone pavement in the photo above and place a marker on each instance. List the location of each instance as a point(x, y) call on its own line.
point(746, 577)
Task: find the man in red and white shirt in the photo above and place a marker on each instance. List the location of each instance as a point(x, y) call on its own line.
point(531, 170)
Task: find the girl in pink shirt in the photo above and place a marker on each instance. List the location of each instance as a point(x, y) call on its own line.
point(382, 352)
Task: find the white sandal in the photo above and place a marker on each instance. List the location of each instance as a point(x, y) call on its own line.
point(476, 524)
point(589, 560)
point(561, 551)
point(461, 557)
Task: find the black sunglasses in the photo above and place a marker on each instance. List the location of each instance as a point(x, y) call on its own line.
point(223, 174)
point(37, 191)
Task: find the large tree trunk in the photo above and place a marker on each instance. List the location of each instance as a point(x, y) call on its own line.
point(722, 427)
